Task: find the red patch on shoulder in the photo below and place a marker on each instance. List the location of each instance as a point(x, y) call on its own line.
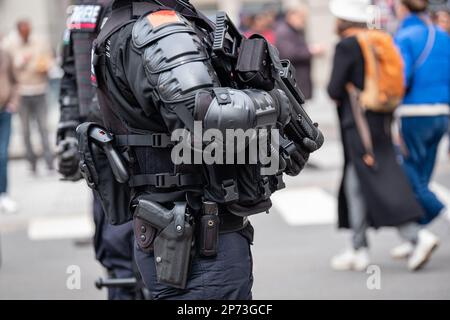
point(162, 17)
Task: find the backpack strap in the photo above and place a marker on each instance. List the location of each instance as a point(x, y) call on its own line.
point(431, 40)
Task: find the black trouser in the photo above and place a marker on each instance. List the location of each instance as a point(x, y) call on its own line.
point(229, 276)
point(114, 250)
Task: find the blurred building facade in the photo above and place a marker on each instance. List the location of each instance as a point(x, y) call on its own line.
point(49, 16)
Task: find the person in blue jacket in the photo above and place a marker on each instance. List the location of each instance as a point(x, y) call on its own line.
point(424, 113)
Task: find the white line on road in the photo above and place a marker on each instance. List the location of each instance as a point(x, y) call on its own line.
point(56, 228)
point(306, 206)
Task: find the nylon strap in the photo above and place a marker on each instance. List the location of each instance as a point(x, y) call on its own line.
point(165, 180)
point(157, 140)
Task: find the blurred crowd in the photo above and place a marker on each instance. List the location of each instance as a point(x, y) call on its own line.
point(385, 181)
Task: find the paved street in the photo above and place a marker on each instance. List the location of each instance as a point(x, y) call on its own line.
point(292, 249)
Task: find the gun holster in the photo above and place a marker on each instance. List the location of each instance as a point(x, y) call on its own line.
point(174, 242)
point(96, 168)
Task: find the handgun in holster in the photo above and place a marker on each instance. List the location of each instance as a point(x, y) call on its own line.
point(174, 242)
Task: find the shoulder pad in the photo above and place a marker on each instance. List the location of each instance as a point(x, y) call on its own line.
point(85, 18)
point(158, 25)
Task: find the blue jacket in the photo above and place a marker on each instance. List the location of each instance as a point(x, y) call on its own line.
point(430, 83)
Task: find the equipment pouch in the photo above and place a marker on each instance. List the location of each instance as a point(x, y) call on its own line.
point(253, 65)
point(209, 230)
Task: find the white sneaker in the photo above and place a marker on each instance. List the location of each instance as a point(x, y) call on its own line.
point(351, 260)
point(402, 251)
point(426, 245)
point(7, 205)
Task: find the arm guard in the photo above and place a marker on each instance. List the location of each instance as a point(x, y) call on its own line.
point(180, 73)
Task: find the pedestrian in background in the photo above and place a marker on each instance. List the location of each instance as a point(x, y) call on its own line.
point(291, 43)
point(441, 17)
point(32, 60)
point(8, 104)
point(424, 114)
point(262, 22)
point(374, 191)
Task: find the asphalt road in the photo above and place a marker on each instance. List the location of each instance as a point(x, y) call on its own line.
point(291, 259)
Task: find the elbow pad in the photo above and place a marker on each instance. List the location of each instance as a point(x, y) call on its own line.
point(227, 108)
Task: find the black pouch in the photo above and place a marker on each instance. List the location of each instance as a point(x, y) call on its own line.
point(209, 230)
point(254, 64)
point(96, 170)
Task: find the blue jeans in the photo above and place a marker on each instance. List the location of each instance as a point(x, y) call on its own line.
point(422, 136)
point(5, 133)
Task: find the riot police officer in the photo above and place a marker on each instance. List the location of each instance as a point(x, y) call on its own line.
point(155, 75)
point(113, 245)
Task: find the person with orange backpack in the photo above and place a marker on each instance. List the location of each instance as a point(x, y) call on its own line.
point(366, 84)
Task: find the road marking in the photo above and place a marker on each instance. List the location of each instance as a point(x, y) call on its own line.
point(306, 206)
point(57, 228)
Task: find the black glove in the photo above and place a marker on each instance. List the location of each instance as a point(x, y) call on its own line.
point(299, 158)
point(69, 159)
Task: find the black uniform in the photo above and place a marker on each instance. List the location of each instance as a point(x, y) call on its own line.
point(113, 245)
point(155, 75)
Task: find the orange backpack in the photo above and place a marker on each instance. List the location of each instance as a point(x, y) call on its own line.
point(384, 78)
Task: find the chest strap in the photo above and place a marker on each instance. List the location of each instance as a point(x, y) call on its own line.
point(156, 140)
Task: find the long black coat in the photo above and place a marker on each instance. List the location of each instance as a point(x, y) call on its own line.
point(292, 45)
point(385, 188)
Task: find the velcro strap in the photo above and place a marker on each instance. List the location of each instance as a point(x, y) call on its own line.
point(157, 140)
point(165, 180)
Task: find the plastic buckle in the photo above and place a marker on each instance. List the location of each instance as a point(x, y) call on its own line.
point(156, 141)
point(167, 181)
point(231, 191)
point(161, 141)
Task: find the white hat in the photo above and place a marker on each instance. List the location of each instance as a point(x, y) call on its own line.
point(352, 10)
